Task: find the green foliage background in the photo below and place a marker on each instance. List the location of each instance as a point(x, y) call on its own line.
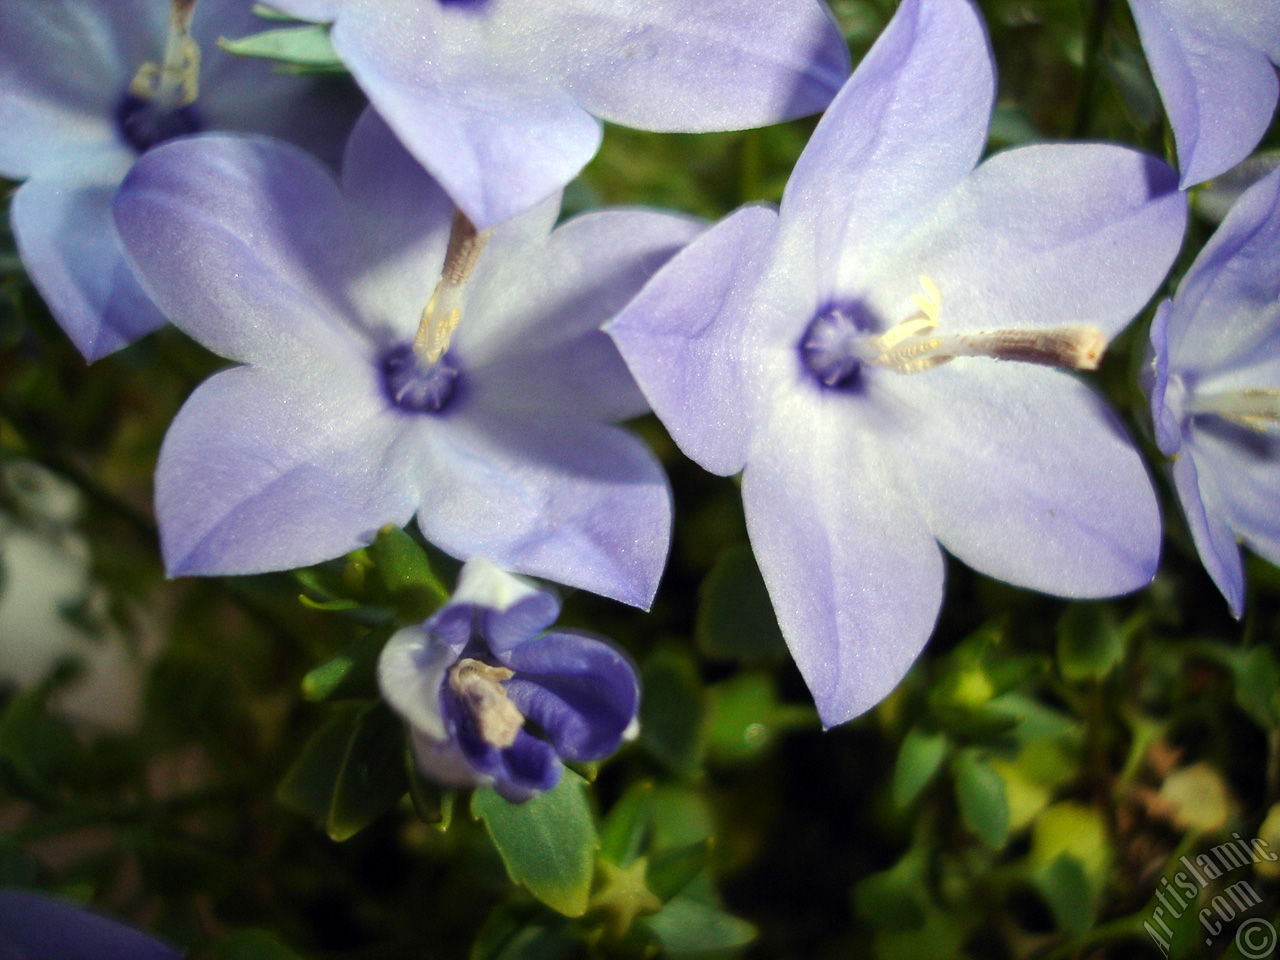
point(1021, 795)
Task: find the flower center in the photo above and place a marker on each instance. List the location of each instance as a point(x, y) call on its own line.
point(1257, 410)
point(836, 348)
point(416, 386)
point(478, 687)
point(158, 104)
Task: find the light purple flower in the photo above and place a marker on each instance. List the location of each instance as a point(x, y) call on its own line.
point(38, 927)
point(466, 680)
point(847, 352)
point(73, 119)
point(503, 448)
point(501, 100)
point(1212, 61)
point(1215, 389)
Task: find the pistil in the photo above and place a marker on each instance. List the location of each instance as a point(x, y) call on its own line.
point(444, 309)
point(478, 686)
point(836, 347)
point(1257, 410)
point(175, 82)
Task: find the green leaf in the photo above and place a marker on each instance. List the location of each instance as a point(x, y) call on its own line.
point(308, 786)
point(735, 618)
point(305, 46)
point(253, 945)
point(515, 932)
point(350, 772)
point(548, 843)
point(271, 13)
point(350, 675)
point(670, 872)
point(38, 752)
point(1257, 684)
point(919, 759)
point(407, 575)
point(984, 808)
point(372, 779)
point(1069, 894)
point(745, 717)
point(1091, 641)
point(671, 711)
point(687, 926)
point(622, 835)
point(895, 899)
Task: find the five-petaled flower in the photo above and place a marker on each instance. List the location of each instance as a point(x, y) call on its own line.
point(1215, 389)
point(1213, 64)
point(495, 428)
point(467, 679)
point(86, 87)
point(858, 352)
point(502, 99)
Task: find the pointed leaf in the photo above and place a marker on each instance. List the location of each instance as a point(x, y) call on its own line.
point(919, 759)
point(984, 808)
point(548, 843)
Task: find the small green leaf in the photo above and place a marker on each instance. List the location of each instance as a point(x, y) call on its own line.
point(350, 772)
point(271, 13)
point(520, 932)
point(735, 618)
point(1257, 683)
point(687, 926)
point(350, 675)
point(253, 945)
point(406, 574)
point(324, 679)
point(895, 899)
point(305, 46)
point(1091, 641)
point(38, 752)
point(548, 843)
point(622, 835)
point(984, 808)
point(745, 717)
point(919, 759)
point(308, 786)
point(1069, 894)
point(372, 779)
point(671, 711)
point(670, 872)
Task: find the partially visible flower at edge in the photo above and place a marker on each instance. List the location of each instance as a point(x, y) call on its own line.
point(86, 87)
point(878, 357)
point(1213, 64)
point(1214, 383)
point(468, 678)
point(501, 100)
point(35, 926)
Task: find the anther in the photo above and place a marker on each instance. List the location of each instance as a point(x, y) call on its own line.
point(444, 309)
point(176, 81)
point(479, 686)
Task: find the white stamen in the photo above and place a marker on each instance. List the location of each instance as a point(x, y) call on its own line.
point(1257, 410)
point(913, 346)
point(444, 309)
point(479, 687)
point(176, 81)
